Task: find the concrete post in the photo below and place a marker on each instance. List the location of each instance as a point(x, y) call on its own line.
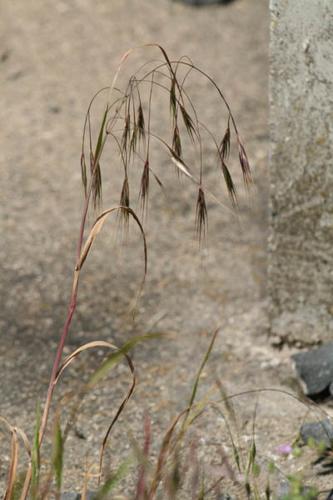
point(301, 170)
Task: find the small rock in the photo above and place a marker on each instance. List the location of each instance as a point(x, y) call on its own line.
point(315, 369)
point(320, 432)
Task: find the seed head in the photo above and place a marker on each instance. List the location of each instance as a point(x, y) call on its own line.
point(201, 217)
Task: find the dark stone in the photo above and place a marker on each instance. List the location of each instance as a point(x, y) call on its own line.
point(330, 495)
point(315, 370)
point(320, 432)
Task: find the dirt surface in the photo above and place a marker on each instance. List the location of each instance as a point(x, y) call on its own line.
point(54, 57)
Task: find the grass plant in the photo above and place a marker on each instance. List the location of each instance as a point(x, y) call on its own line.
point(127, 128)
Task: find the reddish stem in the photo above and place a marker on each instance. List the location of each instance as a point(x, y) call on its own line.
point(71, 309)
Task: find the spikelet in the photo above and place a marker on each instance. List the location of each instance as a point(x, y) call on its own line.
point(201, 215)
point(141, 123)
point(176, 142)
point(244, 163)
point(144, 187)
point(229, 182)
point(224, 148)
point(125, 202)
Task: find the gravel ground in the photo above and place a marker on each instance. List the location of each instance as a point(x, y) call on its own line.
point(53, 58)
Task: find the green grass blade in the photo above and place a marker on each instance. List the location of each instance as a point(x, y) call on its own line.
point(58, 455)
point(100, 136)
point(113, 480)
point(35, 456)
point(202, 366)
point(115, 357)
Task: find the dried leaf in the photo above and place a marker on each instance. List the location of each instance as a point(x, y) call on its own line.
point(102, 371)
point(96, 228)
point(13, 460)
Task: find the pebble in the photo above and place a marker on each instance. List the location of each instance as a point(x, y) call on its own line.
point(320, 432)
point(314, 370)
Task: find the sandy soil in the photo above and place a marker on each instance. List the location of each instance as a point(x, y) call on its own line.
point(54, 56)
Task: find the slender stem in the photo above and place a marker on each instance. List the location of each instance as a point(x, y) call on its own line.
point(70, 313)
point(56, 364)
point(71, 306)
